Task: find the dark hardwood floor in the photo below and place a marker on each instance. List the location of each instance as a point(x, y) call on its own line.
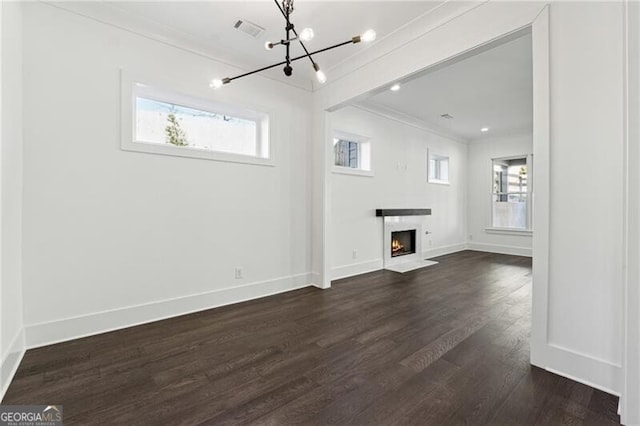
point(443, 345)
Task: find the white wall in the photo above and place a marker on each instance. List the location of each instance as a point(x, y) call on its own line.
point(481, 152)
point(11, 336)
point(399, 154)
point(586, 234)
point(630, 400)
point(114, 238)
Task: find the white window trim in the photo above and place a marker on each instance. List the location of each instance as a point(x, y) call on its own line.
point(510, 231)
point(351, 171)
point(131, 86)
point(359, 139)
point(439, 182)
point(434, 180)
point(513, 231)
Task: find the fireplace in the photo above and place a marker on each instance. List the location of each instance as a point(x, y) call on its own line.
point(402, 239)
point(403, 242)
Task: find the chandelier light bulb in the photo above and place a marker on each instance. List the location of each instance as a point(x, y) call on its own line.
point(320, 75)
point(306, 34)
point(268, 45)
point(322, 78)
point(218, 83)
point(368, 36)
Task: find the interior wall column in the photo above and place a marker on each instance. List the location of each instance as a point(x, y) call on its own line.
point(630, 398)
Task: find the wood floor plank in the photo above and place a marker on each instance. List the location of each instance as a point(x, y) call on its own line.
point(447, 344)
point(424, 357)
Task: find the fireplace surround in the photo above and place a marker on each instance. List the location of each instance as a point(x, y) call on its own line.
point(402, 239)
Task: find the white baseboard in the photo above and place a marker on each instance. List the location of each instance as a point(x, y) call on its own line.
point(101, 322)
point(441, 251)
point(501, 249)
point(356, 269)
point(315, 280)
point(11, 361)
point(346, 271)
point(582, 368)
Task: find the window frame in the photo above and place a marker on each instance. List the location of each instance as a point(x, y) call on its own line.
point(491, 229)
point(135, 87)
point(362, 142)
point(438, 158)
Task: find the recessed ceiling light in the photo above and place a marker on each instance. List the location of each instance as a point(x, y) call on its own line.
point(484, 129)
point(395, 88)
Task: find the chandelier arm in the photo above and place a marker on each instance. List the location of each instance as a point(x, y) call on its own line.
point(229, 79)
point(288, 45)
point(296, 33)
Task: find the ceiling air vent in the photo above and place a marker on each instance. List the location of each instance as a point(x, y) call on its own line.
point(249, 28)
point(447, 116)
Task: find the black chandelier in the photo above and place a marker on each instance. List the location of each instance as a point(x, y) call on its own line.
point(286, 8)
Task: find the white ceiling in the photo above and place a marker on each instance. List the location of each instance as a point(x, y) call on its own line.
point(491, 89)
point(208, 27)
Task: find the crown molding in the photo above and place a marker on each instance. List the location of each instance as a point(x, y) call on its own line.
point(504, 134)
point(112, 16)
point(409, 120)
point(418, 27)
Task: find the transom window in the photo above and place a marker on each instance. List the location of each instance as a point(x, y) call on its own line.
point(166, 122)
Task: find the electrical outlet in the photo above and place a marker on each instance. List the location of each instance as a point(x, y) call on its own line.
point(430, 242)
point(470, 237)
point(354, 254)
point(238, 273)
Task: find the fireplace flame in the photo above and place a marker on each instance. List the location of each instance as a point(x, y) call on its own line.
point(396, 246)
